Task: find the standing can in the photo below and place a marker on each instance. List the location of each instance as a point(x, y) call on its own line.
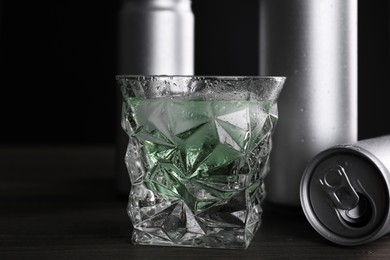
point(314, 44)
point(345, 191)
point(155, 37)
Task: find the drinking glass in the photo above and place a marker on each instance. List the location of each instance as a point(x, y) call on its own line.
point(197, 155)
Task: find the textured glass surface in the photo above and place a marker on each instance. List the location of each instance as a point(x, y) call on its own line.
point(197, 155)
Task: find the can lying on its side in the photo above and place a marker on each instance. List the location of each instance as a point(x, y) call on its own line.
point(345, 191)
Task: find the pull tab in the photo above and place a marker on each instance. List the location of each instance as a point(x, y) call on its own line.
point(337, 186)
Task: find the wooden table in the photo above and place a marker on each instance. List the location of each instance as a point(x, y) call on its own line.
point(61, 203)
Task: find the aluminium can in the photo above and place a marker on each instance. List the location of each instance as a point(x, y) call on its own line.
point(345, 192)
point(314, 44)
point(155, 37)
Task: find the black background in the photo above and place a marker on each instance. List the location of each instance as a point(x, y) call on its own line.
point(58, 61)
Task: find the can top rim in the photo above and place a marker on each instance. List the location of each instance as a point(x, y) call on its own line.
point(306, 202)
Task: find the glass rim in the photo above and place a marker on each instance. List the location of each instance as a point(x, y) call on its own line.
point(199, 77)
point(207, 87)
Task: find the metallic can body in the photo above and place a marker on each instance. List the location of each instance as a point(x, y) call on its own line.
point(155, 37)
point(313, 44)
point(345, 191)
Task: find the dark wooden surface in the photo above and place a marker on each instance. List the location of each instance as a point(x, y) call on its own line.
point(61, 203)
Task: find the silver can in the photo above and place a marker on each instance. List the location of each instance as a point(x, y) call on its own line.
point(155, 37)
point(313, 44)
point(345, 191)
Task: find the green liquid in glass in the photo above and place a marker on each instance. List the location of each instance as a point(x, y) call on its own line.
point(197, 169)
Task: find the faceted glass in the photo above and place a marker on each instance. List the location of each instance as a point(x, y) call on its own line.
point(197, 155)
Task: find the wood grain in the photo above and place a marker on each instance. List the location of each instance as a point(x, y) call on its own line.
point(61, 203)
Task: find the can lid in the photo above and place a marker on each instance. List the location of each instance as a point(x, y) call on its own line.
point(345, 195)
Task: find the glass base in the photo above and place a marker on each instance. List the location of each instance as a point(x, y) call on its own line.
point(225, 239)
point(231, 223)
